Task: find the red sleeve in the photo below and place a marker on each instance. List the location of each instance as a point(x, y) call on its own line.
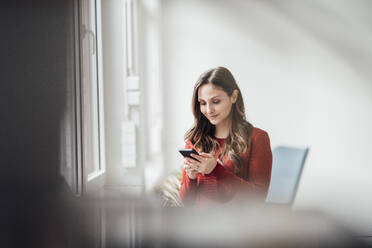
point(259, 170)
point(188, 186)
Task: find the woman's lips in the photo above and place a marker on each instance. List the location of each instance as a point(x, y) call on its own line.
point(213, 116)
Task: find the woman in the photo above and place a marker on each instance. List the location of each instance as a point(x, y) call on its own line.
point(234, 157)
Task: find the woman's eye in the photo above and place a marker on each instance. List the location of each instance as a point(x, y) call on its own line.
point(214, 102)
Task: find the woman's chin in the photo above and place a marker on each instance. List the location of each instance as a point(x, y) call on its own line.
point(213, 122)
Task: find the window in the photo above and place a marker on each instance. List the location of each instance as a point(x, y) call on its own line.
point(93, 140)
point(70, 128)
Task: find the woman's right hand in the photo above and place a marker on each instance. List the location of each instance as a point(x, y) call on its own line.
point(190, 169)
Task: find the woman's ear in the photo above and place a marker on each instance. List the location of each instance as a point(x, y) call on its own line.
point(234, 96)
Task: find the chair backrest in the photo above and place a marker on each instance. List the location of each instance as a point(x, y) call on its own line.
point(288, 163)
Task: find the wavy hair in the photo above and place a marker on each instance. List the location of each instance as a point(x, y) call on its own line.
point(202, 133)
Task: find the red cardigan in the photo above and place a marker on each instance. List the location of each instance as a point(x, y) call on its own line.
point(221, 185)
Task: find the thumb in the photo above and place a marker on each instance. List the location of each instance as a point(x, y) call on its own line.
point(206, 155)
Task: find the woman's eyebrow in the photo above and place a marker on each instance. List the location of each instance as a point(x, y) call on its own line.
point(209, 98)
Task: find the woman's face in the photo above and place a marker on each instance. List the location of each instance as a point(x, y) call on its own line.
point(215, 104)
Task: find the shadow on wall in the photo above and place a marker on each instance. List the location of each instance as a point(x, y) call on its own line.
point(324, 22)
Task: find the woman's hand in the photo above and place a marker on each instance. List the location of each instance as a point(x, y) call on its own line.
point(206, 162)
point(190, 168)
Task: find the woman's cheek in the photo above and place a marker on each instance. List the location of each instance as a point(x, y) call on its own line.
point(202, 109)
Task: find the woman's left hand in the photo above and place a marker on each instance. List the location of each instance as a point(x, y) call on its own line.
point(206, 162)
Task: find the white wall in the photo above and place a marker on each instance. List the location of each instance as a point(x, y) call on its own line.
point(303, 69)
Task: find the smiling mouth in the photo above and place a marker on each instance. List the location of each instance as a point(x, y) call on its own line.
point(214, 116)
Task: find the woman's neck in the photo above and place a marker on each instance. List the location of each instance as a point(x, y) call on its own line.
point(223, 129)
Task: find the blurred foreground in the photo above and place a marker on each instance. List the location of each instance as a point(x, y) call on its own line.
point(56, 221)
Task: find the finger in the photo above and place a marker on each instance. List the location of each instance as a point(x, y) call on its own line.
point(194, 167)
point(187, 161)
point(207, 155)
point(200, 158)
point(187, 165)
point(193, 161)
point(191, 166)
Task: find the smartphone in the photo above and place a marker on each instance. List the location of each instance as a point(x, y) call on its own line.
point(187, 153)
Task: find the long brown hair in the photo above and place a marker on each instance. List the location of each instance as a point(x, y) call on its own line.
point(202, 133)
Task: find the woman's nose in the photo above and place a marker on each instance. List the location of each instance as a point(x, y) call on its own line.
point(209, 109)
